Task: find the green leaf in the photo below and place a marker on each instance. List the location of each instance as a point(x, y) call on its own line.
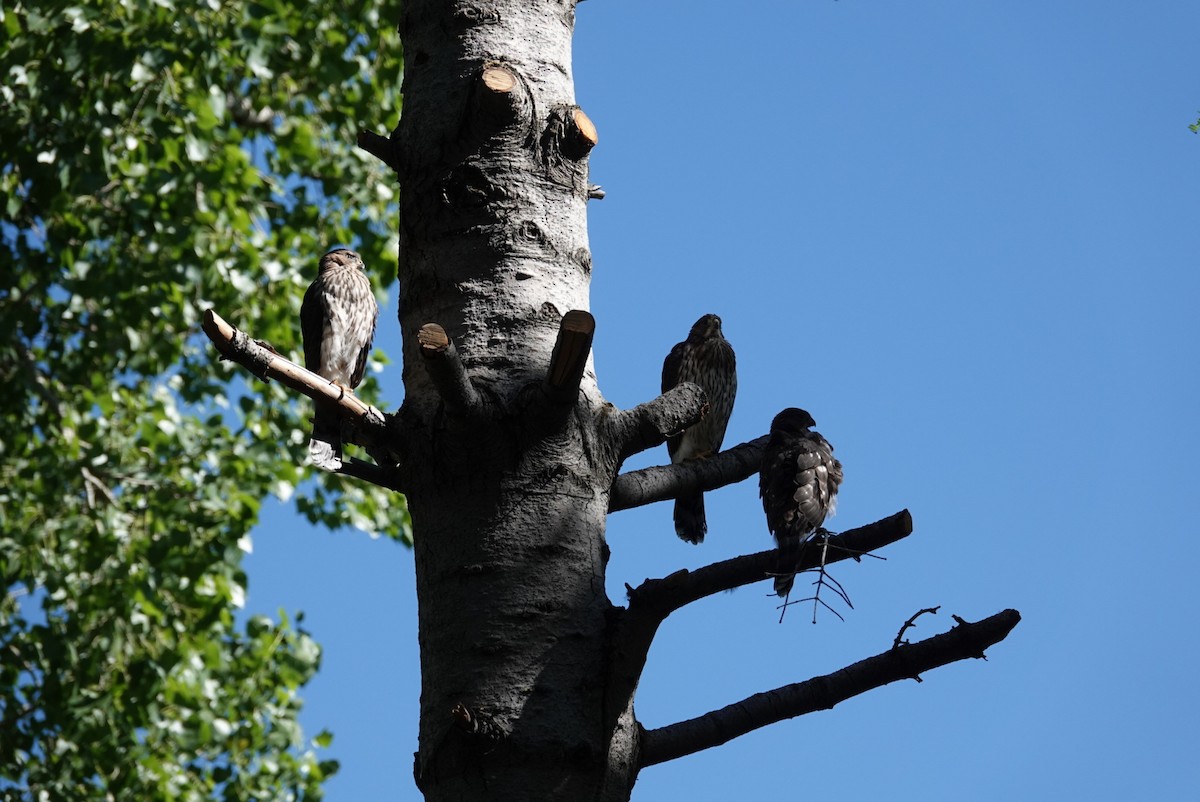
point(138, 194)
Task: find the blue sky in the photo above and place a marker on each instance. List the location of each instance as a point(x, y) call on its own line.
point(964, 236)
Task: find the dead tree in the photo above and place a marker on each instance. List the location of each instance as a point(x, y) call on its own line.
point(508, 453)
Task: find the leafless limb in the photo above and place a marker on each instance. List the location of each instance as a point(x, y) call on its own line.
point(650, 424)
point(963, 641)
point(668, 594)
point(368, 424)
point(381, 147)
point(662, 482)
point(447, 372)
point(824, 580)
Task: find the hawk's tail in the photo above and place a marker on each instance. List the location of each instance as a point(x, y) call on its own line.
point(791, 549)
point(689, 518)
point(325, 447)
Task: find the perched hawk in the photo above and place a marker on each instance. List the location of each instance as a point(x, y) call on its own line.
point(704, 358)
point(798, 483)
point(337, 322)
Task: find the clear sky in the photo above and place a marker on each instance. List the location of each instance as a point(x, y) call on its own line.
point(964, 236)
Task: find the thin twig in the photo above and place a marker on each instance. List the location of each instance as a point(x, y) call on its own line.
point(912, 622)
point(824, 580)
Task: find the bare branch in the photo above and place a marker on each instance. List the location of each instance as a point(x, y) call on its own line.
point(447, 371)
point(912, 622)
point(666, 595)
point(663, 482)
point(821, 693)
point(824, 580)
point(370, 472)
point(650, 424)
point(381, 147)
point(570, 355)
point(369, 425)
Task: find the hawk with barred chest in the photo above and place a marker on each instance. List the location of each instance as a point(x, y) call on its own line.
point(706, 359)
point(337, 323)
point(798, 483)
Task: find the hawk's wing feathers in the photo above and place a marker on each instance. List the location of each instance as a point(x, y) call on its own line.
point(360, 364)
point(670, 378)
point(313, 313)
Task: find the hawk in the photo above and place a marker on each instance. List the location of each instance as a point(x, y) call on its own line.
point(337, 322)
point(705, 358)
point(798, 483)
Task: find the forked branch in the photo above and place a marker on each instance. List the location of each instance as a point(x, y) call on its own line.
point(963, 641)
point(663, 482)
point(369, 424)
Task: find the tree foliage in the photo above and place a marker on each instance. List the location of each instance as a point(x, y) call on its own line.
point(160, 158)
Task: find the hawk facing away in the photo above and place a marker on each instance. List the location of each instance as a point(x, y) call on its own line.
point(705, 358)
point(798, 483)
point(337, 323)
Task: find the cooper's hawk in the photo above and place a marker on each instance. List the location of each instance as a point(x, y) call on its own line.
point(337, 322)
point(798, 483)
point(705, 358)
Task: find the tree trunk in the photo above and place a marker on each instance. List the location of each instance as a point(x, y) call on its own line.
point(507, 473)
